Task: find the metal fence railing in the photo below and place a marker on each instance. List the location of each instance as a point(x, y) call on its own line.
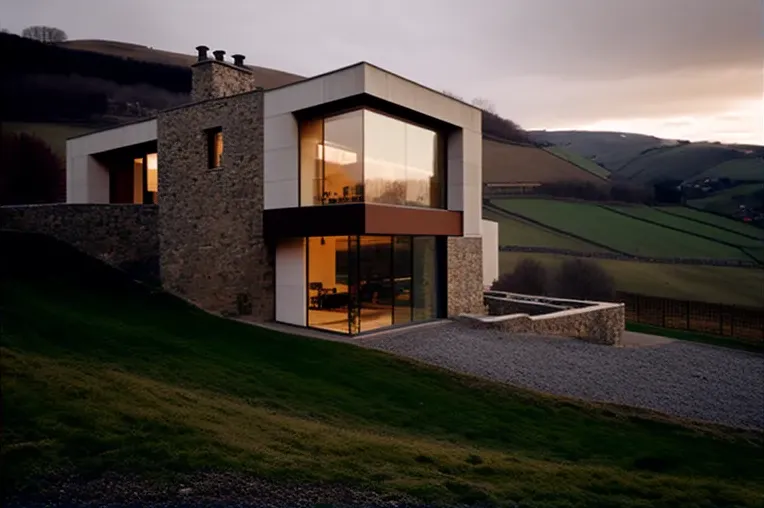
point(743, 323)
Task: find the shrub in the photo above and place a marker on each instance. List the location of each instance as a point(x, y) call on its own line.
point(529, 277)
point(585, 280)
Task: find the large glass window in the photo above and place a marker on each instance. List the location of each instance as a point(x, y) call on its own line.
point(367, 156)
point(357, 284)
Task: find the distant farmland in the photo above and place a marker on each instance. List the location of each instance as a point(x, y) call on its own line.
point(619, 232)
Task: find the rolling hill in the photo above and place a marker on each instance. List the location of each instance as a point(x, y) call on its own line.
point(682, 162)
point(505, 162)
point(612, 150)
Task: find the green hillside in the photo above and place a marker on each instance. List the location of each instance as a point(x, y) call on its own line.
point(714, 220)
point(103, 376)
point(747, 169)
point(753, 242)
point(611, 150)
point(728, 202)
point(579, 160)
point(625, 234)
point(680, 162)
point(517, 232)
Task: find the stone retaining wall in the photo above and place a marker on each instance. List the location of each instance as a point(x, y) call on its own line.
point(465, 275)
point(125, 236)
point(600, 323)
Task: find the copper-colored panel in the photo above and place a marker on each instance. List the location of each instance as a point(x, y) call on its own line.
point(401, 220)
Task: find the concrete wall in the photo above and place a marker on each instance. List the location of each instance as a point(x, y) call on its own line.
point(125, 236)
point(490, 235)
point(87, 181)
point(291, 293)
point(211, 222)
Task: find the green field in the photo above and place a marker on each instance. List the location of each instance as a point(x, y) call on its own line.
point(715, 284)
point(102, 375)
point(525, 234)
point(727, 202)
point(715, 220)
point(681, 162)
point(622, 233)
point(750, 169)
point(580, 161)
point(754, 246)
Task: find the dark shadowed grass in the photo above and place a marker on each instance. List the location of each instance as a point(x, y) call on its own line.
point(703, 338)
point(99, 374)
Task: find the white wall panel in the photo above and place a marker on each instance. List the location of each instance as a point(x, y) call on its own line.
point(290, 282)
point(490, 234)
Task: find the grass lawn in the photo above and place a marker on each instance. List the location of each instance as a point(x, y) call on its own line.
point(102, 375)
point(628, 235)
point(716, 284)
point(525, 234)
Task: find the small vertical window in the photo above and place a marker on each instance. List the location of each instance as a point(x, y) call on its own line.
point(214, 147)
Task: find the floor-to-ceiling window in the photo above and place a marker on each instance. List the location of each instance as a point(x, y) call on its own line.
point(366, 156)
point(361, 283)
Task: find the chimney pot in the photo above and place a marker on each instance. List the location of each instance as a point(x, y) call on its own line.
point(238, 60)
point(202, 53)
point(219, 54)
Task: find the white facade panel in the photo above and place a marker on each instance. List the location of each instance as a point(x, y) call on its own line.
point(280, 131)
point(281, 164)
point(473, 210)
point(87, 181)
point(291, 303)
point(312, 92)
point(490, 234)
point(282, 194)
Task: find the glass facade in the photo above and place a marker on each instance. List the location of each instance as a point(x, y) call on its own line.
point(360, 283)
point(365, 156)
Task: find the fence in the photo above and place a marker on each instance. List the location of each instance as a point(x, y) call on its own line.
point(743, 323)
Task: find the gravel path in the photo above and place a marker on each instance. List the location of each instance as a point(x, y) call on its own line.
point(679, 378)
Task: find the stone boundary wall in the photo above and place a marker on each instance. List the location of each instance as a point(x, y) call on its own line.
point(623, 257)
point(598, 322)
point(124, 236)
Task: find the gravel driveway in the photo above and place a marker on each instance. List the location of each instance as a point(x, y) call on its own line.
point(678, 378)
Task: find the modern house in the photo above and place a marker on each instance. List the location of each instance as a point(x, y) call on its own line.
point(348, 201)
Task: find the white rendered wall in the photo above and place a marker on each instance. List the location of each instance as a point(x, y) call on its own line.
point(87, 181)
point(490, 251)
point(291, 304)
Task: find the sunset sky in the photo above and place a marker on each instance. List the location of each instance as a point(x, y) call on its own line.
point(688, 69)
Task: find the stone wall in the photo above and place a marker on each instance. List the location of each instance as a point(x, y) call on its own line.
point(600, 323)
point(125, 236)
point(212, 79)
point(502, 307)
point(211, 229)
point(464, 260)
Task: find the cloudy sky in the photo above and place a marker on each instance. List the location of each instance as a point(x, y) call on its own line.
point(689, 69)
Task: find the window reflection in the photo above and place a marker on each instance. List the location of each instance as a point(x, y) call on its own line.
point(367, 156)
point(342, 155)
